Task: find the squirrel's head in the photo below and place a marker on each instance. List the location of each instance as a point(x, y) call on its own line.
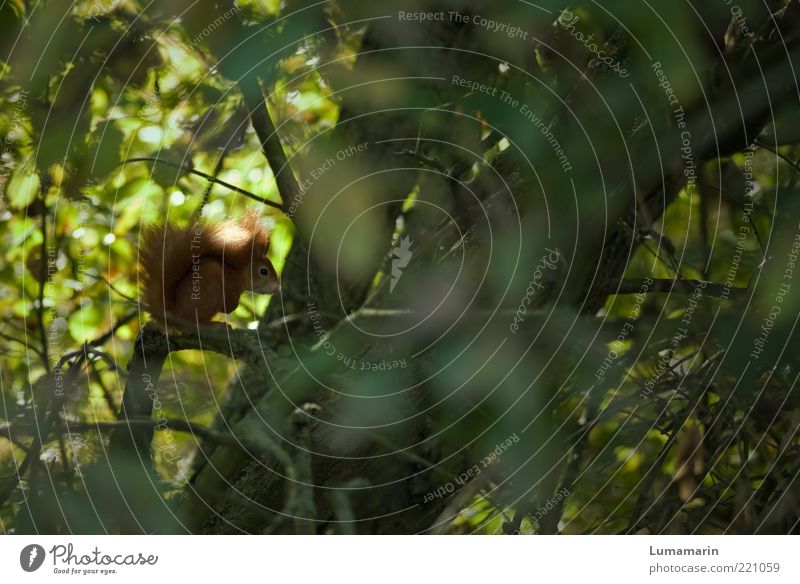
point(263, 278)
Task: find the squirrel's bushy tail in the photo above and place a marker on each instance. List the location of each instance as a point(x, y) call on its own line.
point(165, 258)
point(168, 253)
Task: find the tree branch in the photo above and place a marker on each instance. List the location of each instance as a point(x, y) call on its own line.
point(271, 146)
point(152, 347)
point(208, 177)
point(638, 285)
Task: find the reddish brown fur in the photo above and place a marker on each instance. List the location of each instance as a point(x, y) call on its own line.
point(200, 270)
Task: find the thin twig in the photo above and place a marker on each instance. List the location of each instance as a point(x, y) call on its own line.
point(210, 187)
point(636, 285)
point(208, 177)
point(44, 278)
point(98, 341)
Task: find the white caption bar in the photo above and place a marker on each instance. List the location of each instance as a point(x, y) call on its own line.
point(354, 560)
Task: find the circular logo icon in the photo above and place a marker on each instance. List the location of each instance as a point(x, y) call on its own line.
point(31, 557)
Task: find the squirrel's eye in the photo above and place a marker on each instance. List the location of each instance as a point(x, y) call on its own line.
point(263, 271)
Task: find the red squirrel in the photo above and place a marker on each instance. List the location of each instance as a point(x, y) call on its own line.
point(198, 271)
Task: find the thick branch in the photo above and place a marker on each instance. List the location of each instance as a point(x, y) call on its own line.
point(152, 347)
point(271, 146)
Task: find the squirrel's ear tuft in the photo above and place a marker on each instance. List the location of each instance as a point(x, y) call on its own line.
point(253, 221)
point(257, 224)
